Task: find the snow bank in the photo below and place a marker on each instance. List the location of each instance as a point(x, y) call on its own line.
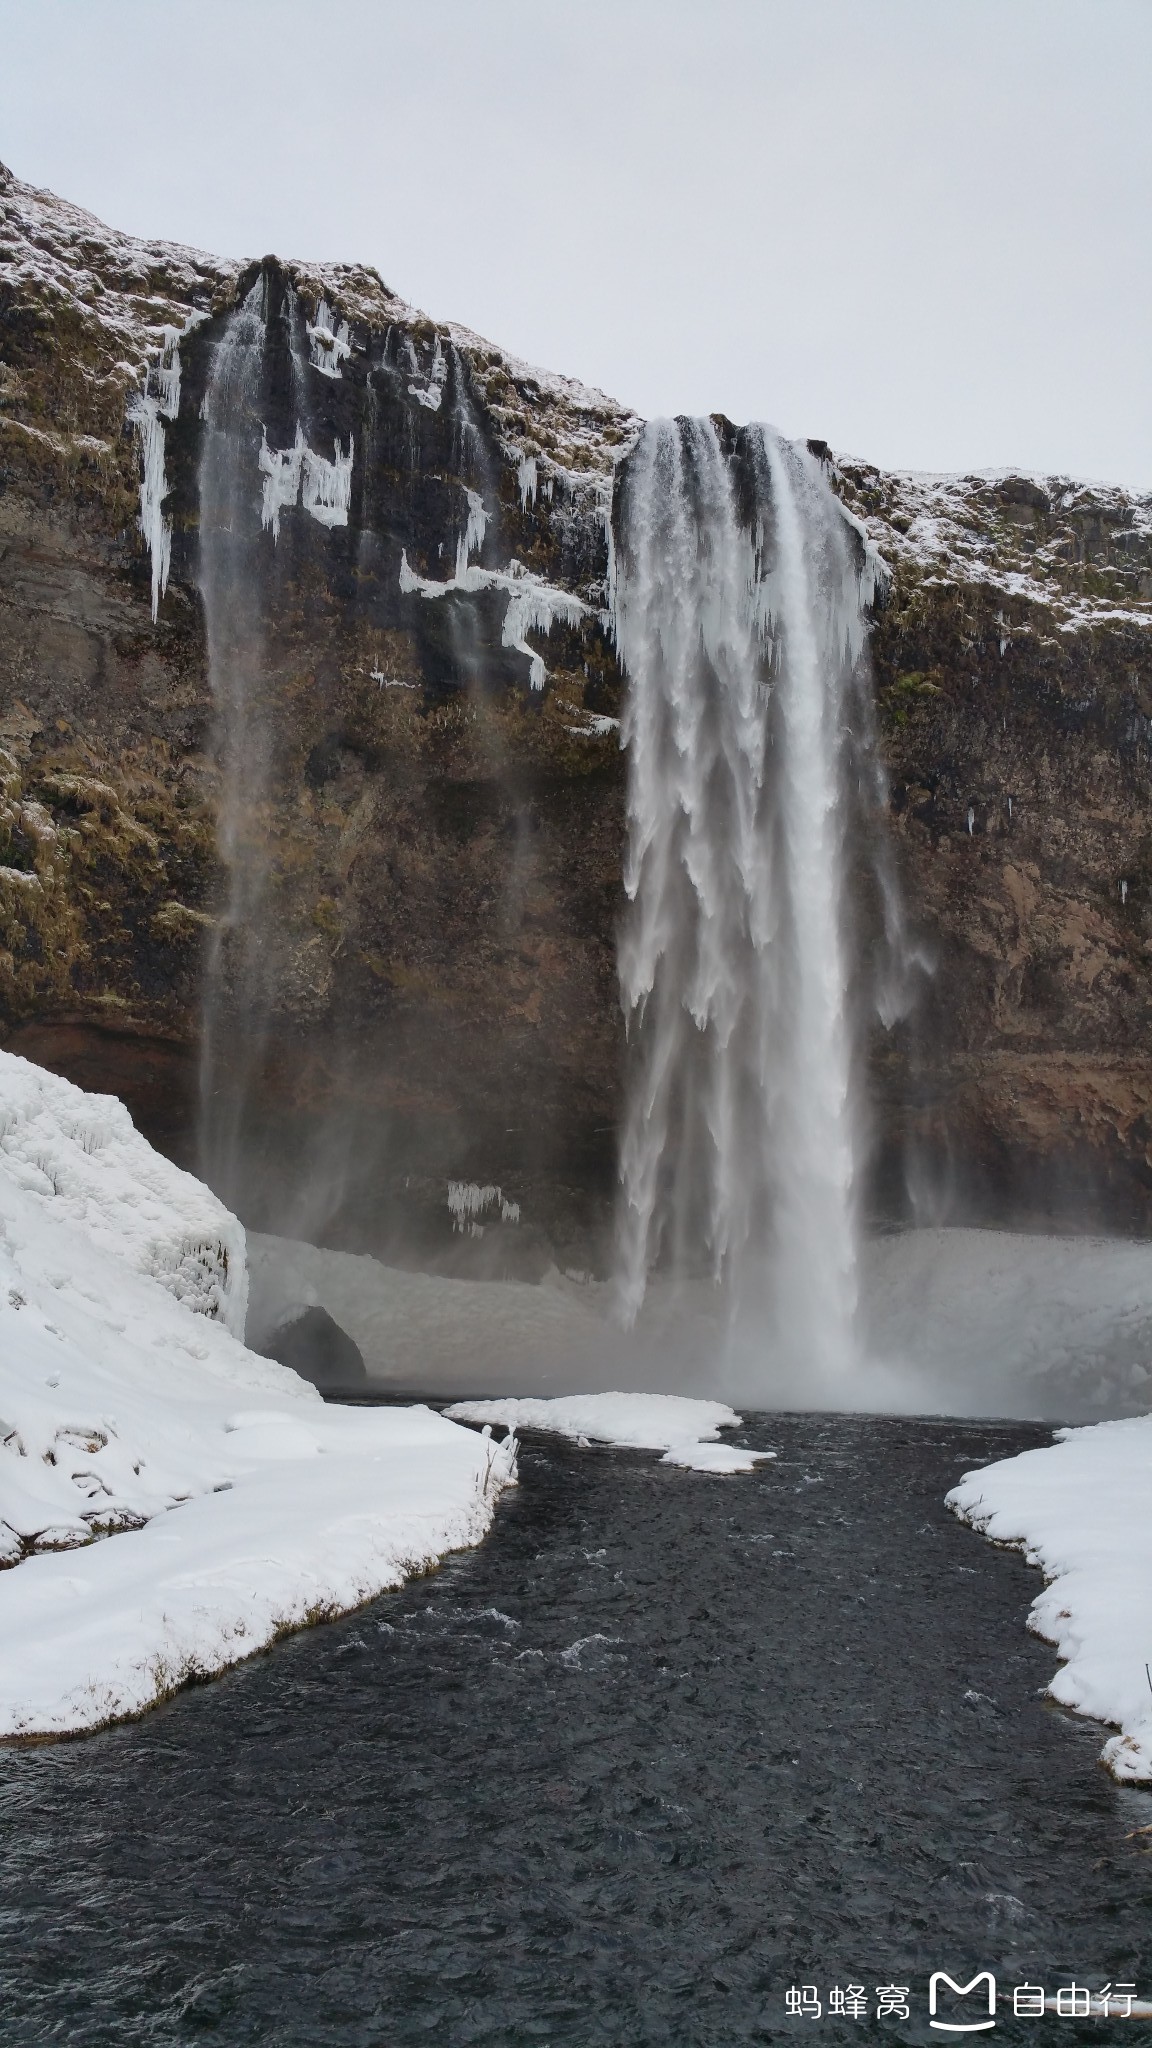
point(233, 1503)
point(685, 1430)
point(323, 1510)
point(83, 1161)
point(1082, 1510)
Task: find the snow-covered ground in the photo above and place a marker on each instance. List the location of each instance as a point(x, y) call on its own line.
point(686, 1431)
point(1082, 1511)
point(169, 1502)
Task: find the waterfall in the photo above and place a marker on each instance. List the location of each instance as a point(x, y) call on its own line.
point(741, 589)
point(230, 526)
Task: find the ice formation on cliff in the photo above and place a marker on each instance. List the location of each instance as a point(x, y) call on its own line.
point(159, 400)
point(298, 475)
point(330, 341)
point(533, 605)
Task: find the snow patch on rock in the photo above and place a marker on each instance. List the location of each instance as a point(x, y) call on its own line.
point(943, 529)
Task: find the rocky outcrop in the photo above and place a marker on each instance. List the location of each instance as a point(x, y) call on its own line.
point(442, 802)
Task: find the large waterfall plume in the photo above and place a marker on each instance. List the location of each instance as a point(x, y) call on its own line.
point(741, 601)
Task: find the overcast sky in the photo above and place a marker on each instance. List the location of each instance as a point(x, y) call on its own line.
point(918, 228)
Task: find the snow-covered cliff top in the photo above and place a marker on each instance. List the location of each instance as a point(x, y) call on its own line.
point(1082, 550)
point(122, 293)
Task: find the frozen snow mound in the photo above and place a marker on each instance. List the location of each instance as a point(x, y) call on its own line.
point(81, 1158)
point(169, 1501)
point(1081, 1509)
point(685, 1430)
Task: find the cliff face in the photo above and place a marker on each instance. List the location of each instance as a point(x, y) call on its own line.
point(1013, 666)
point(422, 543)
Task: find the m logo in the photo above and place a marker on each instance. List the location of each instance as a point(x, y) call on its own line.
point(962, 1991)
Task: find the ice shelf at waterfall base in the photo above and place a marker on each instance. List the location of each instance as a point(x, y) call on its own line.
point(740, 607)
point(1081, 1509)
point(685, 1429)
point(170, 1502)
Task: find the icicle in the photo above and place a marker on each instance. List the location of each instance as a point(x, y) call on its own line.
point(526, 478)
point(429, 390)
point(472, 538)
point(971, 820)
point(467, 1202)
point(281, 469)
point(147, 411)
point(533, 605)
point(330, 341)
point(324, 488)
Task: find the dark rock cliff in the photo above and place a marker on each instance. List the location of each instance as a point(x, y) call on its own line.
point(443, 800)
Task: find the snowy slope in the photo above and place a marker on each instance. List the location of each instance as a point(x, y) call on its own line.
point(1082, 1510)
point(83, 1160)
point(234, 1504)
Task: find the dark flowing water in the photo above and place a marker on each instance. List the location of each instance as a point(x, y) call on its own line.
point(664, 1746)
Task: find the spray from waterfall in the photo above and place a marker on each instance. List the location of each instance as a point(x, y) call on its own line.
point(740, 605)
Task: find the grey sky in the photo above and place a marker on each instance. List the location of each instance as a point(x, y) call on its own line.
point(920, 228)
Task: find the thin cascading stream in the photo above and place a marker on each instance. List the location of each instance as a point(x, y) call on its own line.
point(265, 486)
point(234, 972)
point(740, 616)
